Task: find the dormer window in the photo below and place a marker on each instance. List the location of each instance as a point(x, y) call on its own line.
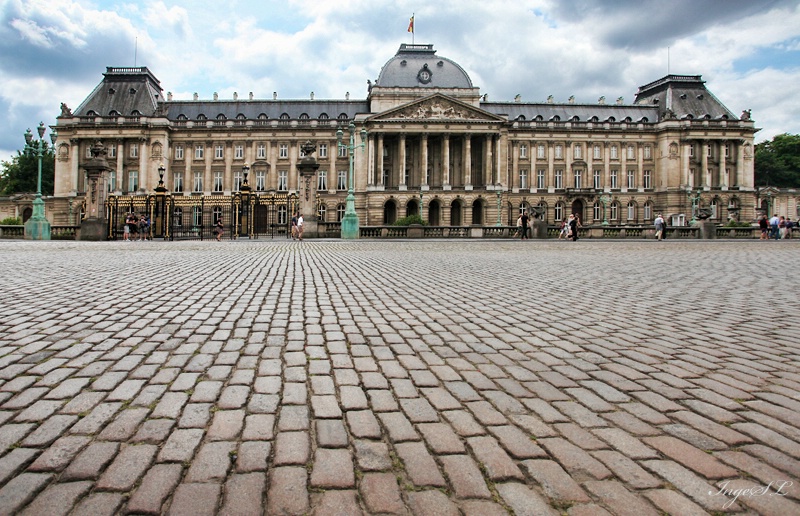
point(201, 116)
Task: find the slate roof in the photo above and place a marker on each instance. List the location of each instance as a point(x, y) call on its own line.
point(124, 90)
point(403, 70)
point(566, 112)
point(683, 95)
point(273, 109)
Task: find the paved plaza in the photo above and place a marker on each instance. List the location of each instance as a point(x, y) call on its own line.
point(405, 377)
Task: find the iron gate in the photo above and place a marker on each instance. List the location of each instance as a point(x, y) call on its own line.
point(194, 217)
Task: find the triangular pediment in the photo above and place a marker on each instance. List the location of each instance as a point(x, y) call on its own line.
point(437, 107)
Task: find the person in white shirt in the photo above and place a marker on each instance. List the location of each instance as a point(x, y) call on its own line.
point(300, 226)
point(659, 225)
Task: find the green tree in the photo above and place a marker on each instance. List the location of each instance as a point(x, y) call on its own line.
point(20, 174)
point(778, 162)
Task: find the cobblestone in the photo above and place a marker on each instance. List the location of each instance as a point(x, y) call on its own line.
point(398, 377)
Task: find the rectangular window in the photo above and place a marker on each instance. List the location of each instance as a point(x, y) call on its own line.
point(261, 180)
point(283, 180)
point(217, 181)
point(219, 152)
point(112, 151)
point(597, 212)
point(133, 180)
point(179, 152)
point(134, 150)
point(559, 179)
point(727, 150)
point(540, 184)
point(283, 151)
point(523, 178)
point(709, 150)
point(112, 180)
point(598, 153)
point(199, 151)
point(89, 151)
point(237, 180)
point(578, 177)
point(177, 182)
point(342, 151)
point(322, 180)
point(614, 178)
point(631, 212)
point(540, 151)
point(596, 179)
point(323, 150)
point(691, 151)
point(631, 152)
point(261, 151)
point(648, 152)
point(577, 151)
point(197, 185)
point(647, 179)
point(341, 180)
point(559, 152)
point(238, 152)
point(614, 152)
point(648, 211)
point(631, 179)
point(523, 151)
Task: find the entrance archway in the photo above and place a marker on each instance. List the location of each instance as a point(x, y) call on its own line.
point(477, 213)
point(577, 209)
point(455, 213)
point(434, 210)
point(26, 214)
point(389, 213)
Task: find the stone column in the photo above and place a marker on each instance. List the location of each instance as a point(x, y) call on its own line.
point(686, 165)
point(589, 165)
point(705, 173)
point(120, 165)
point(623, 165)
point(488, 171)
point(423, 169)
point(144, 172)
point(381, 182)
point(606, 168)
point(739, 163)
point(208, 179)
point(446, 162)
point(468, 162)
point(402, 163)
point(551, 166)
point(640, 168)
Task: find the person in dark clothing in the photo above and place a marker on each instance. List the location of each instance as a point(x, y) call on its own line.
point(524, 227)
point(574, 224)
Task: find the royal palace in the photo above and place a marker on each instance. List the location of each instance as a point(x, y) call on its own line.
point(433, 145)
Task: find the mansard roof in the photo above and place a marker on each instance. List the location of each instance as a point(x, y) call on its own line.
point(273, 109)
point(126, 91)
point(685, 96)
point(571, 112)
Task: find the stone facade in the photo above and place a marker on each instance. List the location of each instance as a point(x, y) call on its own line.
point(432, 140)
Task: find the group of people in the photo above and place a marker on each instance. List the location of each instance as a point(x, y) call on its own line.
point(569, 227)
point(776, 228)
point(297, 226)
point(136, 227)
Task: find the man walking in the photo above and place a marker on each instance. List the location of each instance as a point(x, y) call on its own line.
point(659, 224)
point(524, 227)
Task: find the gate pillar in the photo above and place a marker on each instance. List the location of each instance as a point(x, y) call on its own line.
point(308, 190)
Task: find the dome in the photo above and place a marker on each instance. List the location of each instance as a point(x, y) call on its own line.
point(418, 66)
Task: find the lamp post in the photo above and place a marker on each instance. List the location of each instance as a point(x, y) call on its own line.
point(244, 190)
point(421, 193)
point(694, 197)
point(350, 219)
point(498, 188)
point(606, 200)
point(37, 227)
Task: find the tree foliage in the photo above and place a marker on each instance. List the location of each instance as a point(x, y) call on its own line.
point(20, 174)
point(778, 162)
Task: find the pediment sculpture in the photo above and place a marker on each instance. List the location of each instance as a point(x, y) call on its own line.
point(436, 110)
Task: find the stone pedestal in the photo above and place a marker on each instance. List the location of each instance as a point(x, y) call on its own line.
point(539, 229)
point(415, 231)
point(93, 230)
point(708, 230)
point(94, 227)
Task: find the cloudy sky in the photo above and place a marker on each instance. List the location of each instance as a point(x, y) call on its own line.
point(54, 51)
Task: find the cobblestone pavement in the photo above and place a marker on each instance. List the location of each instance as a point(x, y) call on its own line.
point(424, 377)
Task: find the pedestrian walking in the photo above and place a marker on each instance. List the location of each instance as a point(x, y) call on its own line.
point(218, 227)
point(763, 224)
point(659, 225)
point(524, 226)
point(564, 229)
point(300, 223)
point(574, 224)
point(773, 225)
point(294, 226)
point(789, 226)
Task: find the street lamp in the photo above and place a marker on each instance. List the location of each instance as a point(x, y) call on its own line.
point(38, 227)
point(606, 200)
point(694, 197)
point(244, 190)
point(498, 188)
point(350, 219)
point(421, 193)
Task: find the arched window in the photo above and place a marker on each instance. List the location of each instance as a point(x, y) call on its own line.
point(221, 117)
point(631, 211)
point(614, 211)
point(322, 212)
point(304, 118)
point(648, 210)
point(201, 116)
point(597, 211)
point(558, 211)
point(340, 212)
point(324, 119)
point(284, 119)
point(177, 217)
